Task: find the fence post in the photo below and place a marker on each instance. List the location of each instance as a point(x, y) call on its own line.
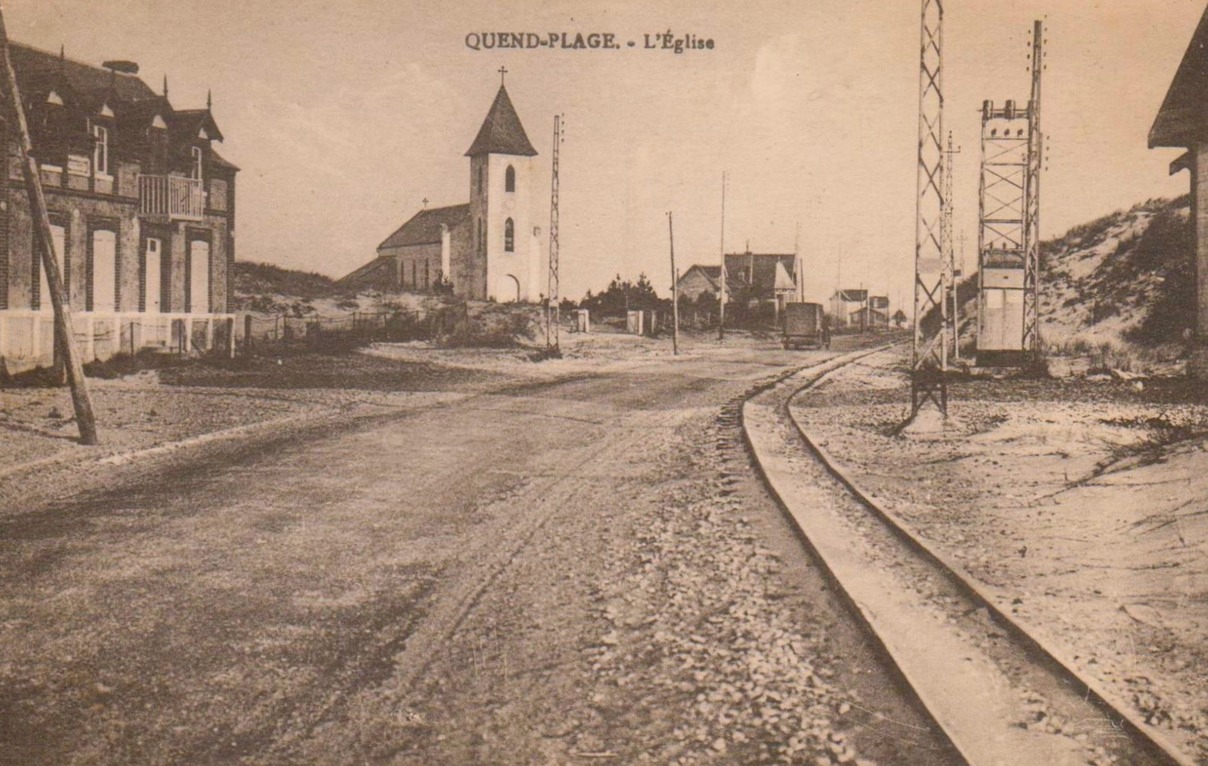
point(247, 335)
point(231, 337)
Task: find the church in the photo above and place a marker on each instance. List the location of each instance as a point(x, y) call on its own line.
point(486, 249)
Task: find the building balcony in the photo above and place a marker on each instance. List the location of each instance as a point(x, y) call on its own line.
point(172, 197)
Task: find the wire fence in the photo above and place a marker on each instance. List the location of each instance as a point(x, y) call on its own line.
point(284, 331)
point(27, 337)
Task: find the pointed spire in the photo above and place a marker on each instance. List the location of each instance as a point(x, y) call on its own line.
point(209, 100)
point(501, 131)
point(62, 60)
point(165, 86)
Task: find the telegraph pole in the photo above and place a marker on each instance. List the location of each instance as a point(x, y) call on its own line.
point(929, 357)
point(44, 243)
point(800, 264)
point(951, 272)
point(721, 290)
point(553, 310)
point(674, 291)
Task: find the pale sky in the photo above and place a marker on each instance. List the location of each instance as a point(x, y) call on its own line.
point(345, 115)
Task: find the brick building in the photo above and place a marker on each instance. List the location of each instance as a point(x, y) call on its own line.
point(142, 211)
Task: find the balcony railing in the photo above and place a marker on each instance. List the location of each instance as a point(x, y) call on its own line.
point(171, 196)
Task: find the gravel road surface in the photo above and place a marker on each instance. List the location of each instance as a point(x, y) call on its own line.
point(579, 569)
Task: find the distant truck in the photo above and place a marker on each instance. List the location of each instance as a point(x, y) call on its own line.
point(805, 324)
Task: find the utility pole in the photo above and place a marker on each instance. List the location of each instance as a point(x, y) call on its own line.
point(951, 272)
point(674, 291)
point(721, 290)
point(553, 311)
point(929, 357)
point(44, 243)
point(800, 264)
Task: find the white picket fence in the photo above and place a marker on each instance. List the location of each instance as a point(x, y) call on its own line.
point(27, 336)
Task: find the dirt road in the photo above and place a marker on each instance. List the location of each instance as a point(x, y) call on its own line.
point(581, 569)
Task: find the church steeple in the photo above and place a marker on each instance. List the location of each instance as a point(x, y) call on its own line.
point(501, 131)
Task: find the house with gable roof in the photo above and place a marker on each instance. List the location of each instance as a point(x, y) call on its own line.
point(142, 213)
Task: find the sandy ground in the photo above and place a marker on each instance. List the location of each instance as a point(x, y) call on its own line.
point(1081, 503)
point(576, 569)
point(157, 410)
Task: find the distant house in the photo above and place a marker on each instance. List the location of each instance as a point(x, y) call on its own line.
point(845, 304)
point(1180, 123)
point(769, 278)
point(869, 319)
point(487, 249)
point(700, 280)
point(142, 214)
point(763, 281)
point(874, 316)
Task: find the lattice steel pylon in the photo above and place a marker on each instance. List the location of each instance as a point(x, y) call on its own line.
point(1031, 297)
point(1008, 330)
point(929, 358)
point(553, 312)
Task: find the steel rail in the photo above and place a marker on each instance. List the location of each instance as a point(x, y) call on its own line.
point(1050, 658)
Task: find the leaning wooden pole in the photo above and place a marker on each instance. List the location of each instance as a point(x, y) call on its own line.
point(674, 291)
point(721, 280)
point(44, 242)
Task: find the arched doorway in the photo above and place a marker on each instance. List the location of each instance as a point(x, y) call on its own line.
point(507, 289)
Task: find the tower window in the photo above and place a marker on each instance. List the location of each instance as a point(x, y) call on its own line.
point(481, 176)
point(509, 236)
point(509, 179)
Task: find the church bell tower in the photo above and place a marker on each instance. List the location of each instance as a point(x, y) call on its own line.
point(504, 259)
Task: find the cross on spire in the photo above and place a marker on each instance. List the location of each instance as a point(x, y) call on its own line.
point(503, 72)
point(425, 203)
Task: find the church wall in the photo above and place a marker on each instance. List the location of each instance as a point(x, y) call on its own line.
point(461, 245)
point(501, 205)
point(470, 263)
point(411, 261)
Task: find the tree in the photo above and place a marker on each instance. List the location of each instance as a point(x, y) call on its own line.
point(620, 296)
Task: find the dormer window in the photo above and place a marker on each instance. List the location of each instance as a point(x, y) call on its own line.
point(198, 158)
point(100, 151)
point(158, 122)
point(106, 111)
point(54, 98)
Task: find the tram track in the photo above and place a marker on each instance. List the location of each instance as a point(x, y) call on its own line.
point(1000, 694)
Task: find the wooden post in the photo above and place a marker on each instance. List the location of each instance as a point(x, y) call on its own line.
point(44, 242)
point(674, 291)
point(247, 335)
point(721, 282)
